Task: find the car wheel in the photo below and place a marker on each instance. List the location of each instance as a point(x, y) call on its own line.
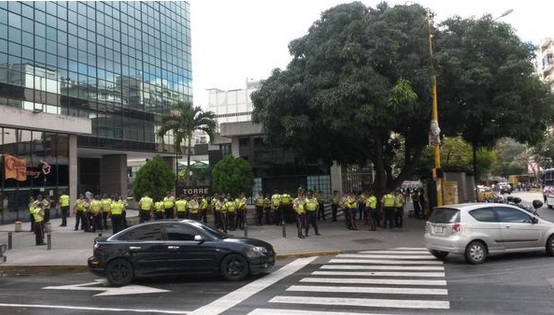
point(476, 253)
point(234, 267)
point(119, 272)
point(438, 254)
point(550, 246)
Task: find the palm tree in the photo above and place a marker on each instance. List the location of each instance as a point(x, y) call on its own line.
point(183, 119)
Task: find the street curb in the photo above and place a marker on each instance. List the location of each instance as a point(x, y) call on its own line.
point(26, 269)
point(309, 254)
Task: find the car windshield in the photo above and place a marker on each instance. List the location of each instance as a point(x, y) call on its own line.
point(445, 215)
point(211, 231)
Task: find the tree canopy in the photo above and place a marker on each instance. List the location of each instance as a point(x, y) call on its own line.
point(233, 175)
point(155, 179)
point(360, 80)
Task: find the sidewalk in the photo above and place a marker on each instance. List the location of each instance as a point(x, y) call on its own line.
point(70, 249)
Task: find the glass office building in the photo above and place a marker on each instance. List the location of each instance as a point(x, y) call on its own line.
point(86, 84)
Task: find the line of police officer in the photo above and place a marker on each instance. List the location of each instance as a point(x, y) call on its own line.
point(92, 212)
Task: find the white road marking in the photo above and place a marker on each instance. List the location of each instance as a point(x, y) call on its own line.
point(411, 248)
point(412, 304)
point(376, 267)
point(374, 281)
point(107, 291)
point(99, 309)
point(279, 311)
point(376, 290)
point(226, 302)
point(388, 251)
point(385, 262)
point(382, 256)
point(380, 274)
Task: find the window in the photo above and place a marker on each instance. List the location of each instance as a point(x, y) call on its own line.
point(445, 215)
point(506, 214)
point(484, 215)
point(143, 233)
point(180, 232)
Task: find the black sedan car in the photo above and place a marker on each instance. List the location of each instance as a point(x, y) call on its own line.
point(177, 248)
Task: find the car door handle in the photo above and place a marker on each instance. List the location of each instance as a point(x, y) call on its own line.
point(507, 226)
point(172, 247)
point(134, 247)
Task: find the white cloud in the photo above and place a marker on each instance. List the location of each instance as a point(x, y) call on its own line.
point(240, 39)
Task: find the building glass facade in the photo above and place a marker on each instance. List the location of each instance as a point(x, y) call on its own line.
point(119, 64)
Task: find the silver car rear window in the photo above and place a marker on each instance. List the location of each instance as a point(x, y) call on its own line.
point(445, 215)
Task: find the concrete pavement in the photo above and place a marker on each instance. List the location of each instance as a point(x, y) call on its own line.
point(70, 249)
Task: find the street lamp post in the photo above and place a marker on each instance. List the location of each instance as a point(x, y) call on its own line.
point(434, 131)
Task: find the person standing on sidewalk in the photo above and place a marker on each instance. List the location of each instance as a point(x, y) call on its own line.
point(230, 208)
point(38, 213)
point(318, 194)
point(399, 203)
point(241, 210)
point(181, 207)
point(80, 213)
point(298, 205)
point(32, 205)
point(116, 214)
point(388, 204)
point(287, 213)
point(335, 199)
point(169, 206)
point(276, 207)
point(96, 214)
point(159, 210)
point(415, 201)
point(64, 207)
point(312, 205)
point(145, 208)
point(259, 202)
point(371, 209)
point(106, 206)
point(46, 204)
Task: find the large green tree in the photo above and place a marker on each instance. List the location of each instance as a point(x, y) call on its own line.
point(182, 120)
point(155, 178)
point(233, 175)
point(358, 76)
point(487, 83)
point(361, 79)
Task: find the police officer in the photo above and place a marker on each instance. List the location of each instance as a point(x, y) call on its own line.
point(106, 207)
point(388, 206)
point(335, 198)
point(195, 206)
point(298, 205)
point(145, 208)
point(231, 209)
point(80, 213)
point(116, 214)
point(181, 207)
point(38, 213)
point(287, 213)
point(276, 208)
point(95, 213)
point(399, 203)
point(169, 206)
point(64, 207)
point(371, 209)
point(159, 210)
point(259, 202)
point(312, 206)
point(241, 210)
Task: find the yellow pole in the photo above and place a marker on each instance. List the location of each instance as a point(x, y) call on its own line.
point(437, 176)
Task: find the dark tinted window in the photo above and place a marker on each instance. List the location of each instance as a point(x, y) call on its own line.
point(506, 214)
point(445, 215)
point(143, 233)
point(484, 215)
point(180, 232)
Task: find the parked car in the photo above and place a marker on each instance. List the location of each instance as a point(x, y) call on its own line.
point(505, 188)
point(177, 248)
point(479, 229)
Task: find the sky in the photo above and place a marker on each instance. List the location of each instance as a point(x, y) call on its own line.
point(238, 40)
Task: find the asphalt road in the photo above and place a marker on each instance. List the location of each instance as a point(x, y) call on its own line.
point(397, 281)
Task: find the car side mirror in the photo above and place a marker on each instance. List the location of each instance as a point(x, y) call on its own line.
point(534, 220)
point(199, 238)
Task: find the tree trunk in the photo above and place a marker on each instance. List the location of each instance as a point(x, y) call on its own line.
point(380, 182)
point(476, 177)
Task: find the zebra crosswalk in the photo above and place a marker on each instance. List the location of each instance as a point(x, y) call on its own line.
point(367, 282)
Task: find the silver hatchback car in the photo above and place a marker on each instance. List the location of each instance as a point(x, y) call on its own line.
point(479, 229)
